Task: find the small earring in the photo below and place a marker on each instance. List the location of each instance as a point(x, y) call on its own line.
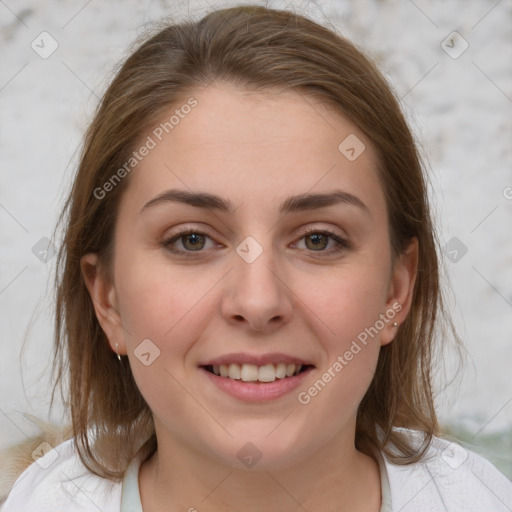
point(395, 324)
point(117, 351)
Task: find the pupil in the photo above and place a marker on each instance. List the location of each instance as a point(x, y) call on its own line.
point(194, 238)
point(316, 239)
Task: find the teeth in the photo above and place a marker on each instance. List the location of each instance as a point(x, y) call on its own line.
point(249, 372)
point(234, 371)
point(280, 371)
point(254, 373)
point(267, 373)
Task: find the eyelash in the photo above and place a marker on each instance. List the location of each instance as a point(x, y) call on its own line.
point(342, 244)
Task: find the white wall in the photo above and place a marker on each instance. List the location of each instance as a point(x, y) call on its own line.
point(460, 109)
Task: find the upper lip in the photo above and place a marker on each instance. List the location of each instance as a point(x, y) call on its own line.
point(258, 360)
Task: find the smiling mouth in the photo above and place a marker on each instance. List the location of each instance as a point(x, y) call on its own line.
point(257, 374)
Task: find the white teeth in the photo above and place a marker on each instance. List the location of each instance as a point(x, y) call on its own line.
point(267, 373)
point(249, 372)
point(254, 373)
point(280, 371)
point(234, 371)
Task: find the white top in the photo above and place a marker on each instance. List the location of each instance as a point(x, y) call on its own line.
point(451, 479)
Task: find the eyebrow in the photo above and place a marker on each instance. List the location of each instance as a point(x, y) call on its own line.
point(297, 203)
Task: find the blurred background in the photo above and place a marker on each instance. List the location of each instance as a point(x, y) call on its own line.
point(450, 63)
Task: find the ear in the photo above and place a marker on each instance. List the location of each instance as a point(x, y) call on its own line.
point(104, 299)
point(400, 290)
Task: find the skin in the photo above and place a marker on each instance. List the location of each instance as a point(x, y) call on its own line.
point(256, 150)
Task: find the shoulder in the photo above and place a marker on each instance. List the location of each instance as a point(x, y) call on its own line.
point(449, 478)
point(58, 480)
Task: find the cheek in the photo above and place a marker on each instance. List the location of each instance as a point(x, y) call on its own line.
point(348, 308)
point(162, 314)
point(156, 302)
point(346, 300)
point(351, 357)
point(171, 308)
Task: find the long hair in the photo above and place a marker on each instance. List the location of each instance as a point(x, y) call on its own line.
point(254, 48)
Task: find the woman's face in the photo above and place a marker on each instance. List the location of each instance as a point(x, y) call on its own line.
point(288, 262)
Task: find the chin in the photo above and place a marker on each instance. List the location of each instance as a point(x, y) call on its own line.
point(260, 453)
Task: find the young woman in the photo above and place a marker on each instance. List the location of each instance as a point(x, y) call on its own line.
point(248, 291)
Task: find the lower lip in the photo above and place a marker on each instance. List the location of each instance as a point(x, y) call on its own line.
point(254, 391)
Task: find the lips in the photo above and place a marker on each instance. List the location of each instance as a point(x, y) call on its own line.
point(256, 391)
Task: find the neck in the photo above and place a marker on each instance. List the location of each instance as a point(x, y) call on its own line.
point(179, 478)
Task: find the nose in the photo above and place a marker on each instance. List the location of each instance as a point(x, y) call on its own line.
point(256, 294)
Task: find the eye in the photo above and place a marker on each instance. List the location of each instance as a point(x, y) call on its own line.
point(190, 239)
point(318, 240)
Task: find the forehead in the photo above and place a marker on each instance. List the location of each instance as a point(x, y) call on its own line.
point(254, 147)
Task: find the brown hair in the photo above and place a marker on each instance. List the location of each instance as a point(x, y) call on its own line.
point(262, 49)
